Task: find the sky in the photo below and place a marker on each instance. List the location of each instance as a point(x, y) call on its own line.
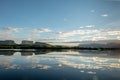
point(59, 20)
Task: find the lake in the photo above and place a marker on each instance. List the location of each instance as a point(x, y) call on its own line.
point(60, 65)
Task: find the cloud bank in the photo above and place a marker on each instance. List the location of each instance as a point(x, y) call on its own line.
point(46, 34)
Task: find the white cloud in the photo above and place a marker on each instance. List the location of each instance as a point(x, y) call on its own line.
point(59, 32)
point(118, 37)
point(90, 26)
point(6, 35)
point(81, 26)
point(104, 15)
point(18, 34)
point(11, 29)
point(41, 30)
point(87, 26)
point(117, 32)
point(36, 34)
point(76, 32)
point(81, 35)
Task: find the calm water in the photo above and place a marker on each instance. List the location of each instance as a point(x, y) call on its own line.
point(60, 65)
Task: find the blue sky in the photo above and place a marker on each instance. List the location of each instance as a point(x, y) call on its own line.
point(59, 20)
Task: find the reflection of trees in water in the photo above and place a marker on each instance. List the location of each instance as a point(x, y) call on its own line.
point(26, 53)
point(6, 53)
point(38, 53)
point(52, 50)
point(92, 53)
point(103, 53)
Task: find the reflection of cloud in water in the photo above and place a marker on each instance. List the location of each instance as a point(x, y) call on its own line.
point(32, 59)
point(78, 62)
point(90, 72)
point(115, 66)
point(41, 66)
point(71, 64)
point(68, 59)
point(89, 63)
point(10, 66)
point(82, 71)
point(59, 65)
point(16, 66)
point(94, 59)
point(119, 60)
point(6, 59)
point(22, 62)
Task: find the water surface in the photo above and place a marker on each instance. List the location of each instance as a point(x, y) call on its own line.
point(60, 65)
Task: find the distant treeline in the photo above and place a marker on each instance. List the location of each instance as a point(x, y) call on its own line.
point(47, 46)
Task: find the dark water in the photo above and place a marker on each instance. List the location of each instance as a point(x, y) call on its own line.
point(60, 65)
